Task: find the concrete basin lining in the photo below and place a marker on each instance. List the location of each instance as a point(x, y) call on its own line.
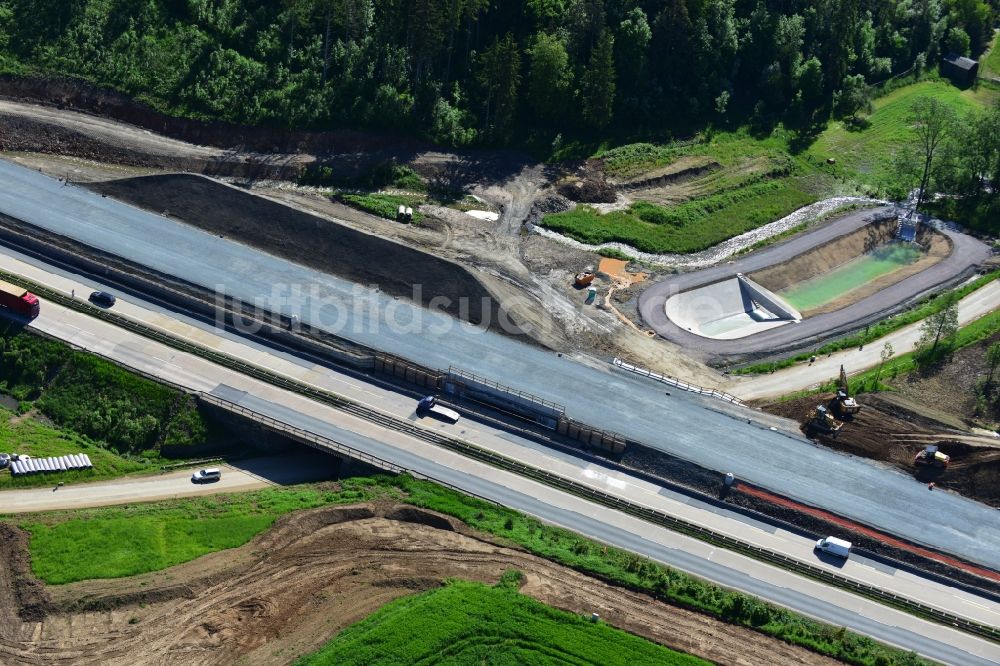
point(729, 309)
point(967, 254)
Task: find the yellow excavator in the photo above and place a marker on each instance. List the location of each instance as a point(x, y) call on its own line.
point(844, 405)
point(823, 421)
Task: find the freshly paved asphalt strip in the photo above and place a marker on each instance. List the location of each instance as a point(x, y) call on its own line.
point(839, 607)
point(804, 375)
point(967, 252)
point(684, 425)
point(199, 374)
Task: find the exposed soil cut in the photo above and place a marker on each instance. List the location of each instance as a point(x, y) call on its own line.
point(590, 187)
point(681, 170)
point(306, 239)
point(289, 590)
point(821, 260)
point(889, 432)
point(38, 133)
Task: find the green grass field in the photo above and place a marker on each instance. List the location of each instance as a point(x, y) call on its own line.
point(383, 205)
point(88, 395)
point(687, 227)
point(991, 64)
point(128, 540)
point(473, 624)
point(40, 441)
point(868, 154)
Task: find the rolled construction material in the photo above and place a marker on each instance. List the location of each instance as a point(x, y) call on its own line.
point(75, 460)
point(63, 464)
point(86, 461)
point(15, 468)
point(30, 463)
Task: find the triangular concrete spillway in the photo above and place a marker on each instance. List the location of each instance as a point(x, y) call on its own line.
point(767, 299)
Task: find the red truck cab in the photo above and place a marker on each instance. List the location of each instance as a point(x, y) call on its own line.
point(18, 300)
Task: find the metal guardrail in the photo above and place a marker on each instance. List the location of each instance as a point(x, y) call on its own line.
point(494, 459)
point(186, 463)
point(677, 383)
point(464, 374)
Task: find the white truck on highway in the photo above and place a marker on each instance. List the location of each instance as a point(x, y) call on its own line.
point(429, 405)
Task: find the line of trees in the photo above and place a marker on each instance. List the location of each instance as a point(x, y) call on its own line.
point(957, 159)
point(464, 71)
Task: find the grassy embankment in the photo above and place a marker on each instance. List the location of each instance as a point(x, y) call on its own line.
point(758, 182)
point(382, 204)
point(471, 623)
point(873, 333)
point(122, 421)
point(29, 435)
point(122, 541)
point(980, 329)
point(990, 65)
point(744, 195)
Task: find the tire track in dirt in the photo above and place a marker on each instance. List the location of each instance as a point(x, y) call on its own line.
point(290, 589)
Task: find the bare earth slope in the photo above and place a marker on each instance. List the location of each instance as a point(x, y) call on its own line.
point(289, 590)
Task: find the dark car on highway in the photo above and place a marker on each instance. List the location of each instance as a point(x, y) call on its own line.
point(103, 298)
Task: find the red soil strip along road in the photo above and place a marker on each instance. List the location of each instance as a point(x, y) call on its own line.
point(857, 527)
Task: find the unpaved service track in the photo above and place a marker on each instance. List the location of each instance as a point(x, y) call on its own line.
point(35, 127)
point(289, 590)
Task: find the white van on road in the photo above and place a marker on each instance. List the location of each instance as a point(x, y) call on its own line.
point(835, 546)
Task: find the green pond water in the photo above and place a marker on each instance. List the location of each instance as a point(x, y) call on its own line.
point(844, 279)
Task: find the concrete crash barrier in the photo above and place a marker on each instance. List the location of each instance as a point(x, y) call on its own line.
point(610, 442)
point(46, 465)
point(397, 367)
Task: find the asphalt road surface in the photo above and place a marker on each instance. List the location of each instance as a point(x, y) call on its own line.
point(237, 476)
point(967, 252)
point(687, 426)
point(546, 503)
point(198, 374)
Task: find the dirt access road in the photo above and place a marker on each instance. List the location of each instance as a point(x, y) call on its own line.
point(289, 590)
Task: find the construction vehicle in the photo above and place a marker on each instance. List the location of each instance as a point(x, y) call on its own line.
point(931, 457)
point(18, 300)
point(844, 405)
point(584, 279)
point(824, 422)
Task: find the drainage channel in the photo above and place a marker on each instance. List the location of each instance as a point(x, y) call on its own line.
point(494, 459)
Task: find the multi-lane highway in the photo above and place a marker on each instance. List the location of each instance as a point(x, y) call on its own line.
point(559, 508)
point(682, 425)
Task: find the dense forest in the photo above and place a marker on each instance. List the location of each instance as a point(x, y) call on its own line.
point(493, 72)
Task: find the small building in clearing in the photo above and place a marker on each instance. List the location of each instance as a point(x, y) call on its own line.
point(961, 70)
